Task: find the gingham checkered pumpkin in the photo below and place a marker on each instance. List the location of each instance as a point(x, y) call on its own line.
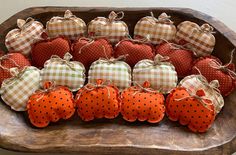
point(20, 39)
point(161, 74)
point(111, 28)
point(199, 39)
point(64, 72)
point(193, 83)
point(16, 91)
point(113, 70)
point(155, 29)
point(69, 26)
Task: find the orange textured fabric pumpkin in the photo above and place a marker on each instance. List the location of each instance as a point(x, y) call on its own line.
point(50, 105)
point(98, 101)
point(193, 110)
point(142, 103)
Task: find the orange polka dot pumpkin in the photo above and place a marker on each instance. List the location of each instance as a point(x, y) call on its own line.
point(143, 104)
point(98, 101)
point(50, 105)
point(193, 110)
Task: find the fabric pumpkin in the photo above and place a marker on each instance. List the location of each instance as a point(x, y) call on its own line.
point(193, 110)
point(212, 69)
point(64, 72)
point(50, 104)
point(155, 29)
point(199, 39)
point(69, 26)
point(193, 83)
point(113, 70)
point(22, 38)
point(180, 57)
point(44, 49)
point(142, 103)
point(16, 90)
point(135, 49)
point(11, 60)
point(98, 101)
point(87, 50)
point(160, 73)
point(112, 27)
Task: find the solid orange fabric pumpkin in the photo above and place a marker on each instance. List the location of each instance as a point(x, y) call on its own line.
point(50, 105)
point(98, 101)
point(142, 103)
point(193, 110)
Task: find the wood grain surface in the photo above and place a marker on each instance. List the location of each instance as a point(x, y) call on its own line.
point(117, 136)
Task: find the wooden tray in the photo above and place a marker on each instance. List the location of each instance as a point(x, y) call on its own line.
point(117, 136)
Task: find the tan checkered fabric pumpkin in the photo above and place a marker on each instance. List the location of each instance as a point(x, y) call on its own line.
point(193, 83)
point(64, 72)
point(22, 38)
point(16, 91)
point(155, 29)
point(112, 27)
point(113, 70)
point(69, 26)
point(198, 39)
point(160, 73)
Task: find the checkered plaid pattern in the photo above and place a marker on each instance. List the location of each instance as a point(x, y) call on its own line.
point(118, 73)
point(114, 31)
point(16, 91)
point(21, 39)
point(152, 28)
point(193, 83)
point(200, 39)
point(64, 75)
point(162, 77)
point(69, 26)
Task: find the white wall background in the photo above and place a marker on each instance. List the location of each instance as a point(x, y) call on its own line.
point(224, 10)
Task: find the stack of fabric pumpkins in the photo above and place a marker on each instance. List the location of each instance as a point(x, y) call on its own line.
point(163, 69)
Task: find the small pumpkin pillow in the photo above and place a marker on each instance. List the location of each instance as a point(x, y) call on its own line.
point(199, 39)
point(50, 104)
point(69, 26)
point(113, 70)
point(135, 49)
point(112, 27)
point(44, 49)
point(193, 83)
point(180, 57)
point(11, 60)
point(22, 38)
point(142, 103)
point(155, 29)
point(192, 109)
point(160, 73)
point(64, 72)
point(98, 101)
point(16, 91)
point(86, 50)
point(213, 69)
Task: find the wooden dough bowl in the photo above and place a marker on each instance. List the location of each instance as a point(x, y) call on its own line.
point(117, 136)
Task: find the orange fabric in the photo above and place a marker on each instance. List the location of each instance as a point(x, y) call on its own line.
point(189, 111)
point(142, 105)
point(46, 107)
point(98, 102)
